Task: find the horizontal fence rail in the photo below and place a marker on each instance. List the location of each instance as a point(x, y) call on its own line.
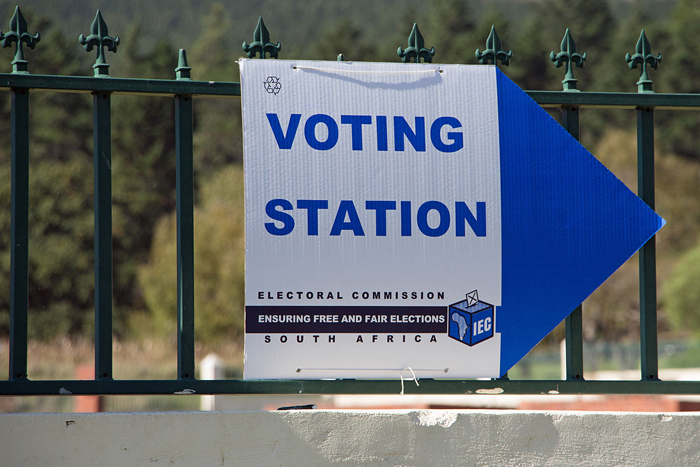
point(229, 90)
point(135, 86)
point(183, 89)
point(358, 387)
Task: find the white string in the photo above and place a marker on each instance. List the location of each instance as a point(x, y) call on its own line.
point(414, 378)
point(328, 70)
point(401, 376)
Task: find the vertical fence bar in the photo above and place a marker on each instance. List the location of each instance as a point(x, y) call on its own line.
point(19, 234)
point(102, 122)
point(574, 322)
point(569, 57)
point(185, 238)
point(99, 38)
point(648, 339)
point(19, 229)
point(185, 227)
point(647, 255)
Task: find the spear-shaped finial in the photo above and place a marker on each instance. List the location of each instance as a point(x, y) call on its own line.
point(182, 72)
point(643, 57)
point(261, 43)
point(416, 48)
point(569, 56)
point(18, 34)
point(493, 51)
point(99, 37)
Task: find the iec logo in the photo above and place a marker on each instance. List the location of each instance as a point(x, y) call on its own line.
point(471, 320)
point(272, 85)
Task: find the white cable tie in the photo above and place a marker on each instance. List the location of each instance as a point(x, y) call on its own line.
point(414, 377)
point(366, 72)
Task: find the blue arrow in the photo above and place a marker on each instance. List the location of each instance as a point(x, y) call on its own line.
point(568, 223)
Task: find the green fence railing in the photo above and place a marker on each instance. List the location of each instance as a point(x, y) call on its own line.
point(20, 83)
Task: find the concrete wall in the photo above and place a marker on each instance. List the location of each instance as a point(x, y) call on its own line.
point(374, 438)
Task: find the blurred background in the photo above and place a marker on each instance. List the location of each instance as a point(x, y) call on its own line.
point(61, 282)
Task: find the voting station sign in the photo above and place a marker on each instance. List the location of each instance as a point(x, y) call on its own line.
point(427, 220)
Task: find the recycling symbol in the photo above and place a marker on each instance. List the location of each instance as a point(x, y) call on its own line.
point(272, 85)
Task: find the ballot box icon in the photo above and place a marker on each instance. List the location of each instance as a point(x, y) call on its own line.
point(471, 321)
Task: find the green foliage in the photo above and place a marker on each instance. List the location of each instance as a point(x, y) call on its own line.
point(530, 66)
point(61, 235)
point(681, 73)
point(612, 312)
point(451, 31)
point(61, 187)
point(591, 24)
point(681, 294)
point(219, 255)
point(218, 138)
point(346, 39)
point(143, 169)
point(60, 217)
point(61, 269)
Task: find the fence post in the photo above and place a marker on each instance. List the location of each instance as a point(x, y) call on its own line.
point(102, 124)
point(645, 188)
point(19, 235)
point(185, 226)
point(19, 230)
point(647, 254)
point(570, 121)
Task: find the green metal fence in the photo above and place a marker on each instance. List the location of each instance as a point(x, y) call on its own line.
point(20, 83)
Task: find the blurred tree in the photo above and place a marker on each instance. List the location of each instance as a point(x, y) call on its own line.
point(680, 72)
point(591, 24)
point(612, 312)
point(407, 17)
point(219, 259)
point(218, 137)
point(143, 167)
point(60, 180)
point(61, 270)
point(613, 73)
point(61, 186)
point(345, 39)
point(530, 66)
point(681, 294)
point(450, 29)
